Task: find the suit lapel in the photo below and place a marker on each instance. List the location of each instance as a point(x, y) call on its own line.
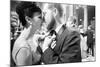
point(60, 40)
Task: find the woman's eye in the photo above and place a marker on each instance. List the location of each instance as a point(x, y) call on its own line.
point(40, 17)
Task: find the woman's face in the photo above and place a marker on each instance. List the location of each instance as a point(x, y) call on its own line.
point(37, 17)
point(36, 20)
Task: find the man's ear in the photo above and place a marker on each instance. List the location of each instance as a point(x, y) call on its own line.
point(28, 19)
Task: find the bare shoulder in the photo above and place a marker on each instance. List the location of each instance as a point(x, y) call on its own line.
point(19, 45)
point(22, 54)
point(20, 41)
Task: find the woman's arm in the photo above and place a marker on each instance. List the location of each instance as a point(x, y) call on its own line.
point(24, 57)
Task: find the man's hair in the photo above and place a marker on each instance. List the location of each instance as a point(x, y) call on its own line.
point(26, 9)
point(58, 7)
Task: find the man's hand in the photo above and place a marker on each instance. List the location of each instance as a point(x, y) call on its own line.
point(47, 41)
point(37, 40)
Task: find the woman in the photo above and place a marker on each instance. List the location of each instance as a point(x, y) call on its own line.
point(25, 47)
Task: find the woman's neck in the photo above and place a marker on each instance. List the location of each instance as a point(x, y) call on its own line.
point(31, 32)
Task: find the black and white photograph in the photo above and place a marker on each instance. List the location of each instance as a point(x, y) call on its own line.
point(44, 33)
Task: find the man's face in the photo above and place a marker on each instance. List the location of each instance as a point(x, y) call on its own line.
point(47, 14)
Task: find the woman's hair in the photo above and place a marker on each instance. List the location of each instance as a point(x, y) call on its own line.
point(26, 9)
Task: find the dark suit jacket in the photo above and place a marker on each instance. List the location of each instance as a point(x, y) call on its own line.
point(67, 49)
point(89, 37)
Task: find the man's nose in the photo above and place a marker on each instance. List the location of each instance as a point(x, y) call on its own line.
point(43, 18)
point(44, 13)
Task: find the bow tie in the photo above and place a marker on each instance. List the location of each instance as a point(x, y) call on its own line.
point(83, 34)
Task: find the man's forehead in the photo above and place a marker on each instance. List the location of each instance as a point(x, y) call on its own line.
point(46, 5)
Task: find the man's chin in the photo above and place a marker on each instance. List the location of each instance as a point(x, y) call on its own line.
point(51, 25)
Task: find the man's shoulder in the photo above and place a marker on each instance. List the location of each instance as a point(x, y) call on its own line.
point(70, 32)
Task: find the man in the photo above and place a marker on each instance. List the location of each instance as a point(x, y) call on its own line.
point(90, 41)
point(25, 47)
point(83, 43)
point(67, 47)
point(71, 23)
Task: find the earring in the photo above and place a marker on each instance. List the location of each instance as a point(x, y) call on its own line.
point(30, 23)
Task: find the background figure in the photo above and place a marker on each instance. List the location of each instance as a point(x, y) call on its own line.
point(14, 27)
point(71, 23)
point(90, 41)
point(83, 42)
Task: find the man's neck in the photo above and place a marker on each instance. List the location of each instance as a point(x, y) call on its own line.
point(59, 28)
point(58, 22)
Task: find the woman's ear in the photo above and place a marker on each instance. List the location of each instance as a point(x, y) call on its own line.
point(28, 19)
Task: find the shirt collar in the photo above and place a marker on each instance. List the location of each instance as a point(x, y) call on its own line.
point(58, 28)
